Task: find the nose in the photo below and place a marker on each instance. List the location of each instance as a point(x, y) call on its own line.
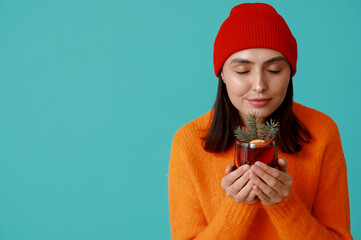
point(259, 82)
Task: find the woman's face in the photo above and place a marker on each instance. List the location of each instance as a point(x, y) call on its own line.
point(256, 80)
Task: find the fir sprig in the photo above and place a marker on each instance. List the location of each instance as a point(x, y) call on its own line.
point(270, 129)
point(253, 123)
point(241, 134)
point(255, 129)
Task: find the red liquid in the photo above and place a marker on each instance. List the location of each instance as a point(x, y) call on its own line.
point(247, 153)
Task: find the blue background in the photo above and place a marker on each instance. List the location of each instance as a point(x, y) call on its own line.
point(92, 92)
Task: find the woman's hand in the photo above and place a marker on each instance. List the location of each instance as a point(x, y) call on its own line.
point(238, 186)
point(270, 185)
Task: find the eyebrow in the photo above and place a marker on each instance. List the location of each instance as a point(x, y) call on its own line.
point(275, 59)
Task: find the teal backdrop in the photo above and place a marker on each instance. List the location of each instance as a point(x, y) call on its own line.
point(92, 93)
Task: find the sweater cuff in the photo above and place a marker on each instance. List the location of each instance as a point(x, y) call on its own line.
point(288, 208)
point(233, 220)
point(235, 210)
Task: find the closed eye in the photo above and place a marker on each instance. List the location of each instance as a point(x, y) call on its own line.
point(243, 72)
point(275, 72)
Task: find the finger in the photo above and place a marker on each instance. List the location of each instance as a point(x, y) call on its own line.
point(268, 179)
point(237, 186)
point(277, 174)
point(233, 176)
point(266, 189)
point(230, 168)
point(282, 162)
point(244, 192)
point(252, 194)
point(261, 195)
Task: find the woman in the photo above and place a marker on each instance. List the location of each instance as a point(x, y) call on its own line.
point(255, 57)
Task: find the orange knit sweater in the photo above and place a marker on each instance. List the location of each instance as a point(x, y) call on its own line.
point(316, 208)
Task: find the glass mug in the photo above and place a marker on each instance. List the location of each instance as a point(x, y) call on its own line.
point(249, 153)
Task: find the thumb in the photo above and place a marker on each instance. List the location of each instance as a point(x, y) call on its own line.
point(229, 168)
point(282, 162)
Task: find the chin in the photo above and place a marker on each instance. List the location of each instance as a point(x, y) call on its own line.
point(262, 112)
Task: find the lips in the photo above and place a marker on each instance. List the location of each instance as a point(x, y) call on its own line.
point(259, 102)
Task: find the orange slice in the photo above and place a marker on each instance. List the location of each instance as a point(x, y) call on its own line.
point(257, 142)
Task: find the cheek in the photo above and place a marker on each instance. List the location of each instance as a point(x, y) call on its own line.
point(236, 88)
point(280, 89)
point(284, 86)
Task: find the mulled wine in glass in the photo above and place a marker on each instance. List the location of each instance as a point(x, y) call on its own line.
point(251, 152)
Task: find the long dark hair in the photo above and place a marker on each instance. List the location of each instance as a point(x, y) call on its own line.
point(220, 136)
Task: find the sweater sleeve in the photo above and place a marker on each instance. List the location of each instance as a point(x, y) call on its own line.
point(330, 217)
point(187, 219)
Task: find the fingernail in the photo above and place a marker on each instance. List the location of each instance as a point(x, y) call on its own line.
point(245, 167)
point(258, 163)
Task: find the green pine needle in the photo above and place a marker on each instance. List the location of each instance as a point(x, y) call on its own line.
point(255, 129)
point(241, 134)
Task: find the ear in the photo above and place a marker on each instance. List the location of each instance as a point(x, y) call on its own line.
point(222, 77)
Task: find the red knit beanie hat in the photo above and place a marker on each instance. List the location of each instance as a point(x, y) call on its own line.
point(254, 25)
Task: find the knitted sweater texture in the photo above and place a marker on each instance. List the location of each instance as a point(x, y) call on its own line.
point(316, 208)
